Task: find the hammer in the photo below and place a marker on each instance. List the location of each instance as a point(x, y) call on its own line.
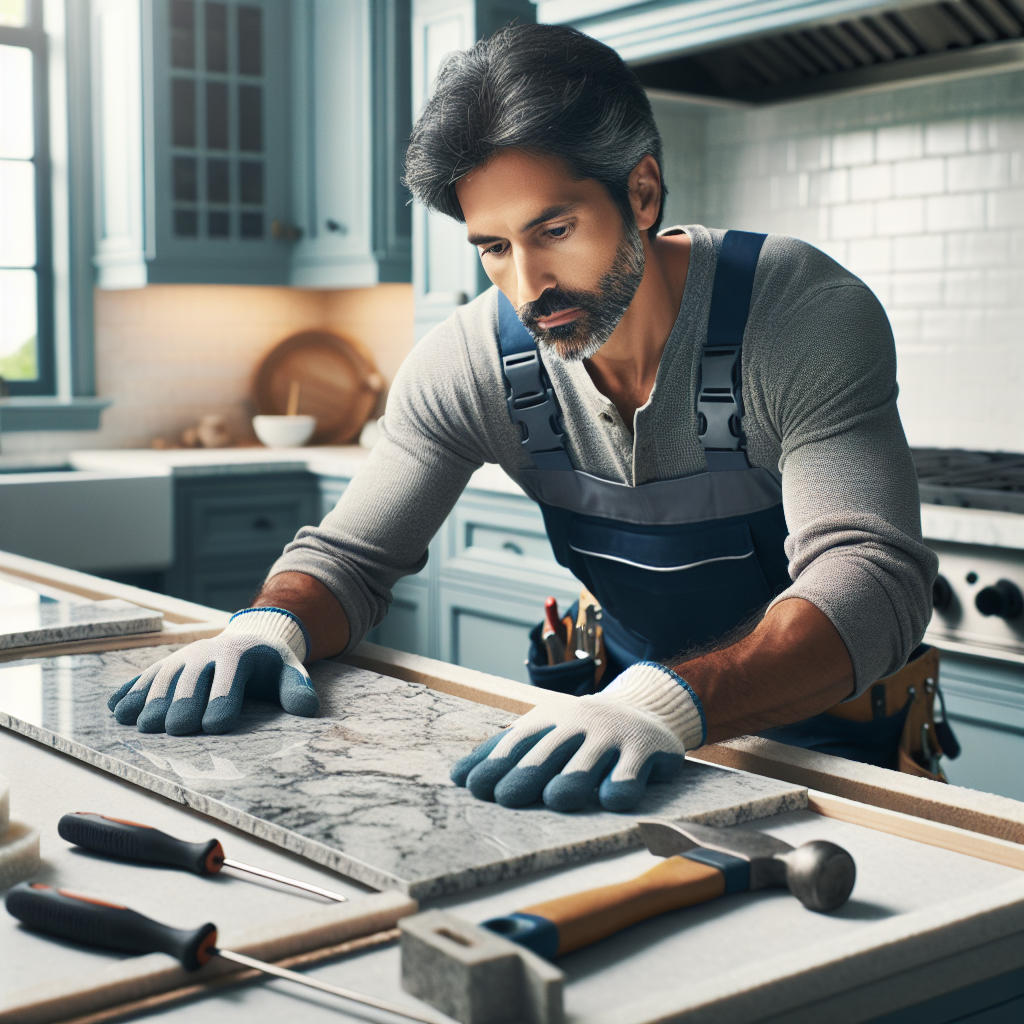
point(713, 862)
point(476, 975)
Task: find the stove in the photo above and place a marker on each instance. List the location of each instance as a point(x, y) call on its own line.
point(972, 516)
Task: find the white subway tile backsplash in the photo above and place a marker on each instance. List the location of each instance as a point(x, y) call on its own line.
point(920, 192)
point(978, 248)
point(869, 255)
point(918, 252)
point(945, 138)
point(905, 142)
point(919, 289)
point(956, 212)
point(853, 148)
point(919, 177)
point(827, 187)
point(1006, 209)
point(871, 182)
point(978, 171)
point(899, 217)
point(854, 220)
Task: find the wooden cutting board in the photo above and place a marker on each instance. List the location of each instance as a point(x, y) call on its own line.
point(338, 384)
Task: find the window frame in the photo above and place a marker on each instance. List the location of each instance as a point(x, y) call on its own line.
point(32, 36)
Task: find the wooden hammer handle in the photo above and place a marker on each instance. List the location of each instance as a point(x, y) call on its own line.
point(586, 917)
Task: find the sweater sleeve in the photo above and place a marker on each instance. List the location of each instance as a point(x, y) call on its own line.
point(432, 440)
point(849, 486)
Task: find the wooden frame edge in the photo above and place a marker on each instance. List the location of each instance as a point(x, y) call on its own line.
point(919, 830)
point(869, 785)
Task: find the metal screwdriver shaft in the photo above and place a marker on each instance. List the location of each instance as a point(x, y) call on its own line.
point(275, 877)
point(98, 922)
point(141, 844)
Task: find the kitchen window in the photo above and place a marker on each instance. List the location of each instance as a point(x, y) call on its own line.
point(26, 273)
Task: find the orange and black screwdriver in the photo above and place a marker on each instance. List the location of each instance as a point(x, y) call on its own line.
point(128, 840)
point(96, 922)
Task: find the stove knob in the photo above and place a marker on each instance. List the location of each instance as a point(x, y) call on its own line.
point(1003, 599)
point(942, 594)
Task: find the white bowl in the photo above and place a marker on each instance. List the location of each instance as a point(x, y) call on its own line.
point(284, 431)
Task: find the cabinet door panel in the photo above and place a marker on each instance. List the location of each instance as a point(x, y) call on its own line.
point(489, 633)
point(227, 589)
point(406, 626)
point(233, 526)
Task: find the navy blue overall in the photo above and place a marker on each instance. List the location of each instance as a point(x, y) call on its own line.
point(677, 563)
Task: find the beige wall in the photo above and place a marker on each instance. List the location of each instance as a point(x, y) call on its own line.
point(167, 354)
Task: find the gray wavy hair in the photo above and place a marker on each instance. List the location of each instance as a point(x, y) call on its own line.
point(546, 88)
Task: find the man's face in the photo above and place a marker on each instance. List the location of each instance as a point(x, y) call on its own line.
point(556, 247)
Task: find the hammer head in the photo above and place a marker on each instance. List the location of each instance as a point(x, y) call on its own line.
point(476, 976)
point(820, 875)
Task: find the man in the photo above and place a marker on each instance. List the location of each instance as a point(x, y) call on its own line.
point(710, 428)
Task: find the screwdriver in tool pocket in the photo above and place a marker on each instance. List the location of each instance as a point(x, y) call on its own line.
point(95, 922)
point(128, 840)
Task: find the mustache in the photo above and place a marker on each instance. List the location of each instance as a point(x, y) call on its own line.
point(554, 300)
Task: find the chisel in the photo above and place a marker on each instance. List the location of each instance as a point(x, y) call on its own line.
point(95, 922)
point(128, 840)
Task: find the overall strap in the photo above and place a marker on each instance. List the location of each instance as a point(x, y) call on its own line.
point(719, 402)
point(530, 398)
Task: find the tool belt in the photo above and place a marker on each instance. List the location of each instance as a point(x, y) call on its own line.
point(911, 692)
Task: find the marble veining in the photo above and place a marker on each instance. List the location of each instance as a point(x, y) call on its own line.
point(363, 788)
point(48, 621)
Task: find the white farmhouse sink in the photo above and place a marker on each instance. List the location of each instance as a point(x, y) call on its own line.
point(81, 519)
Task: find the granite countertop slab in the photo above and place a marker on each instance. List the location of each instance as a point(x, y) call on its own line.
point(362, 789)
point(32, 614)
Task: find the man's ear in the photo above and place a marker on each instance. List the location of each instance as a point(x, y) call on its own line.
point(645, 192)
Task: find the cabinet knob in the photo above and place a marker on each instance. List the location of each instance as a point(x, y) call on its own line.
point(1003, 598)
point(336, 226)
point(942, 594)
point(262, 523)
point(513, 547)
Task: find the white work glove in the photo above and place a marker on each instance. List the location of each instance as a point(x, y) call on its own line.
point(635, 731)
point(200, 688)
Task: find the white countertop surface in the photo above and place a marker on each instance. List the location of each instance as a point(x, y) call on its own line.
point(339, 461)
point(939, 522)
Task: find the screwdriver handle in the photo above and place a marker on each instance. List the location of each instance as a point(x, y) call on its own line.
point(93, 922)
point(128, 840)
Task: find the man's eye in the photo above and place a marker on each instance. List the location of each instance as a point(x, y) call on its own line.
point(558, 232)
point(493, 250)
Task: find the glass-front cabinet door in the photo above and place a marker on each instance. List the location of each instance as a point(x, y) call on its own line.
point(192, 141)
point(221, 151)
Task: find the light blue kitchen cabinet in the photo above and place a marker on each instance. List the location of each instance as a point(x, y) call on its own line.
point(250, 141)
point(407, 626)
point(446, 269)
point(229, 530)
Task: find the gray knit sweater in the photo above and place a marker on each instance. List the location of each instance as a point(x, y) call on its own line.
point(819, 389)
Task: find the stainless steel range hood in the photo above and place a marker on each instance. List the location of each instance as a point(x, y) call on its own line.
point(759, 51)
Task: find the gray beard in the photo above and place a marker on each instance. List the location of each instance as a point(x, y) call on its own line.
point(603, 309)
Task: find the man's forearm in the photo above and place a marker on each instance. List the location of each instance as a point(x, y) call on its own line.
point(319, 610)
point(793, 666)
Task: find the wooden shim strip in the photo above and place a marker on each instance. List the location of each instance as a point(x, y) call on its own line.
point(968, 809)
point(207, 988)
point(478, 687)
point(920, 830)
point(172, 635)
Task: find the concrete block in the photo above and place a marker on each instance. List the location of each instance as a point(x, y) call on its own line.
point(828, 187)
point(919, 290)
point(476, 976)
point(989, 248)
point(920, 177)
